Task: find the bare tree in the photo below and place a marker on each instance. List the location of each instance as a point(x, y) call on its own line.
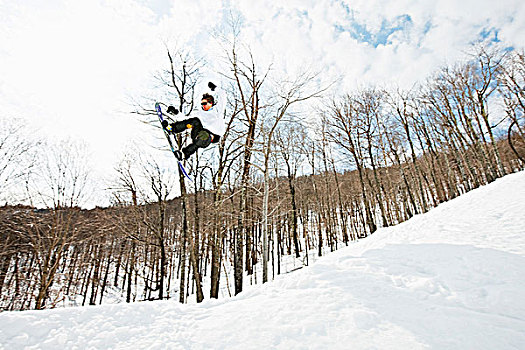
point(248, 84)
point(178, 82)
point(346, 130)
point(227, 155)
point(286, 139)
point(17, 157)
point(484, 83)
point(161, 183)
point(127, 182)
point(64, 177)
point(511, 82)
point(289, 92)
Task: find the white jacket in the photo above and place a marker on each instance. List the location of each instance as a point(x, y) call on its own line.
point(213, 119)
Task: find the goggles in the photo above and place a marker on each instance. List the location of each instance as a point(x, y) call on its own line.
point(206, 106)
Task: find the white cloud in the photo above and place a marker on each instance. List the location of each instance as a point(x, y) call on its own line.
point(68, 66)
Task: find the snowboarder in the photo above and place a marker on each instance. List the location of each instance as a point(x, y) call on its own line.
point(207, 125)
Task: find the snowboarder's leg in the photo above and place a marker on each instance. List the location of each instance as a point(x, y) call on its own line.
point(192, 123)
point(189, 150)
point(202, 139)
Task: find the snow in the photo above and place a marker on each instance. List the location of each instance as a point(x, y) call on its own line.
point(453, 278)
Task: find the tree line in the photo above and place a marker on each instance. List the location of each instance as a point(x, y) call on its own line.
point(298, 174)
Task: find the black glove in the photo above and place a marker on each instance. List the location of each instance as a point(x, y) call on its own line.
point(164, 124)
point(212, 86)
point(173, 110)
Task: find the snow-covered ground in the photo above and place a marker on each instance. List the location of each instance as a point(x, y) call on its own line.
point(453, 278)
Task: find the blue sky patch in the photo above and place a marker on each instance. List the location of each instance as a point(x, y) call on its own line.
point(490, 34)
point(361, 33)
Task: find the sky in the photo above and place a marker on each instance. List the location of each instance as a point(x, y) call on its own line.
point(452, 278)
point(70, 68)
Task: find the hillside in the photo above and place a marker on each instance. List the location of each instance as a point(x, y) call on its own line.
point(453, 278)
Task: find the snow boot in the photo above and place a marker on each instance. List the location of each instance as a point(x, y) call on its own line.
point(179, 155)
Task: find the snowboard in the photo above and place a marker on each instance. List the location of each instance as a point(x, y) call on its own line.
point(158, 109)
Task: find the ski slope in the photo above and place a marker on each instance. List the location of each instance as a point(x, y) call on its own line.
point(453, 278)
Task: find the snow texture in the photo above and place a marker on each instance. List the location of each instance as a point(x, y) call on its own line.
point(453, 278)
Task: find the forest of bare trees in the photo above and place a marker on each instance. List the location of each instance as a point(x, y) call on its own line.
point(299, 173)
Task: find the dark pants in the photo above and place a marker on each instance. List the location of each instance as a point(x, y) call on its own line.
point(201, 138)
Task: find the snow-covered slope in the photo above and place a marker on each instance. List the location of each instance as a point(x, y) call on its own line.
point(453, 278)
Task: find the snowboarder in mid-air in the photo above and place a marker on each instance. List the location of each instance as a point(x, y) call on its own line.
point(206, 125)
